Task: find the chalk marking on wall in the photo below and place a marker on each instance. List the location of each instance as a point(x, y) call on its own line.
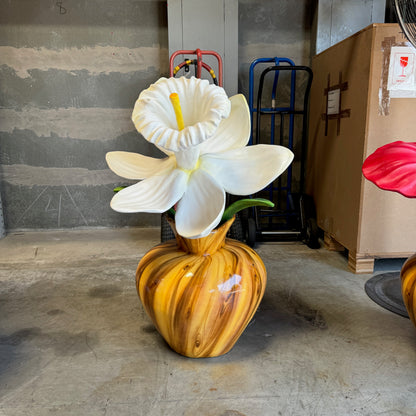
point(59, 210)
point(96, 60)
point(62, 10)
point(25, 175)
point(78, 123)
point(75, 205)
point(31, 205)
point(47, 209)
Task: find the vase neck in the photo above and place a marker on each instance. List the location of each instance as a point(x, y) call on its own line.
point(205, 245)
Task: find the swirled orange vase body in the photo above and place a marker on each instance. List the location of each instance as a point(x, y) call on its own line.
point(201, 293)
point(408, 281)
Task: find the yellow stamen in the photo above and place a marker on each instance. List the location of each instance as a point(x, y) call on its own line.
point(174, 99)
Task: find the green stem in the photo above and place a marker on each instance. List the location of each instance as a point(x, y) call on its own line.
point(243, 204)
point(119, 188)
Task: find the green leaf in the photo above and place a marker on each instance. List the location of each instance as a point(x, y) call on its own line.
point(119, 188)
point(243, 204)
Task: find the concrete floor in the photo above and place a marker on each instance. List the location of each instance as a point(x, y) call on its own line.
point(74, 339)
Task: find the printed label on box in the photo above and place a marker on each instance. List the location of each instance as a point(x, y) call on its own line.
point(402, 71)
point(334, 97)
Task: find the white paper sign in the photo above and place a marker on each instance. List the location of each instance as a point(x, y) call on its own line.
point(333, 101)
point(402, 70)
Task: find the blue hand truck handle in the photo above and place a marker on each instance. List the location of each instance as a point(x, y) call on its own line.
point(277, 61)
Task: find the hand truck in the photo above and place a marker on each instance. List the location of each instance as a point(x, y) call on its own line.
point(294, 213)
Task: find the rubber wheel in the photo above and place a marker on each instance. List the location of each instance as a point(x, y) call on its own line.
point(309, 225)
point(236, 230)
point(251, 232)
point(312, 234)
point(166, 232)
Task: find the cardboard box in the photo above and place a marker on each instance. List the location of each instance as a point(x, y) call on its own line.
point(361, 99)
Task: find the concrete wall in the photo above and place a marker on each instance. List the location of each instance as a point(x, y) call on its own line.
point(339, 19)
point(272, 28)
point(70, 72)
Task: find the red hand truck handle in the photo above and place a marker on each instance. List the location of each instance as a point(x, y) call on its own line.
point(199, 55)
point(194, 62)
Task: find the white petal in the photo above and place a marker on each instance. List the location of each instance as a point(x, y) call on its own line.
point(248, 170)
point(165, 151)
point(188, 158)
point(233, 132)
point(136, 166)
point(203, 106)
point(156, 194)
point(201, 208)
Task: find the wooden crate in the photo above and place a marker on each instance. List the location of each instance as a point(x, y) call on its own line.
point(353, 111)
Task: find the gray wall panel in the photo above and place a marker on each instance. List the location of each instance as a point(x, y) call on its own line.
point(207, 25)
point(70, 72)
point(67, 206)
point(339, 19)
point(78, 23)
point(270, 28)
point(25, 147)
point(76, 88)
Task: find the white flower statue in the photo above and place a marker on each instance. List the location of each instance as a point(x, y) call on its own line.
point(204, 136)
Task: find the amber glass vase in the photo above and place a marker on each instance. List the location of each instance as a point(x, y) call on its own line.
point(201, 293)
point(408, 281)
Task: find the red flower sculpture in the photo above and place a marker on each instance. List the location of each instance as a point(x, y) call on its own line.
point(393, 167)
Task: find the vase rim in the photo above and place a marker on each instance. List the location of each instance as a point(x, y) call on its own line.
point(203, 245)
point(229, 222)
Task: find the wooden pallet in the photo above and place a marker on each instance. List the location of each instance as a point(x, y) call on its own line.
point(357, 262)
